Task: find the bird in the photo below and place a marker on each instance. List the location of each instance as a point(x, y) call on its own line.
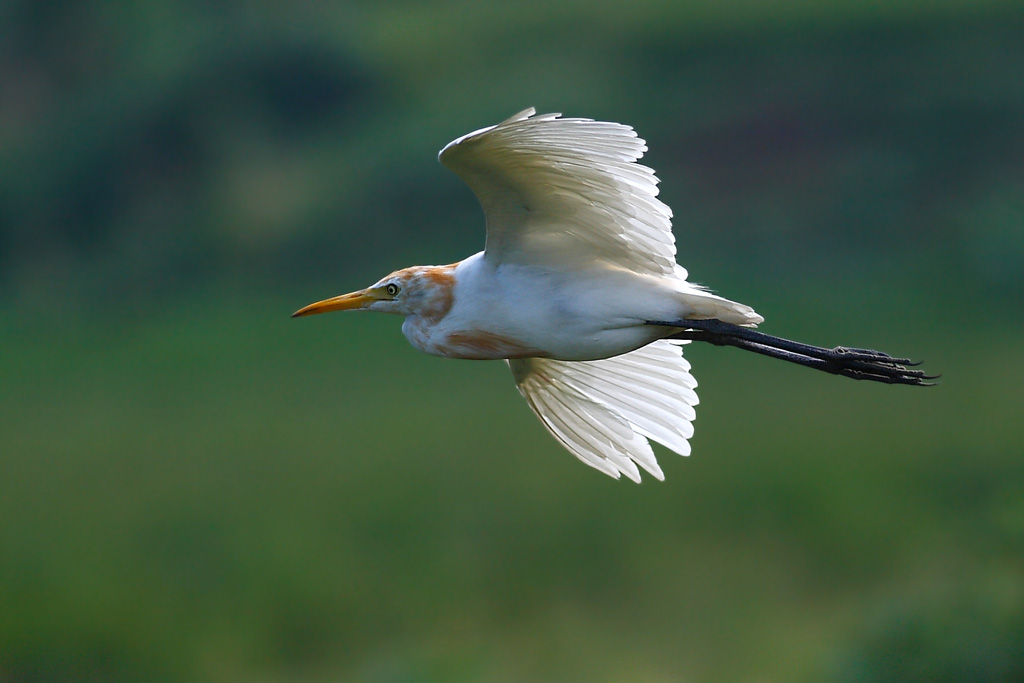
point(578, 290)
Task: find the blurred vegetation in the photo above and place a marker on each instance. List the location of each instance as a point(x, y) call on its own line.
point(194, 487)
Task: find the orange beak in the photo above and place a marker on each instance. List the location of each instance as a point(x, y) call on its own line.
point(345, 302)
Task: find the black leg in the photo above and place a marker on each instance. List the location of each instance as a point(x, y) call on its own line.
point(855, 363)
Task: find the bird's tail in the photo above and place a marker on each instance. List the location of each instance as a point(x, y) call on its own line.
point(707, 306)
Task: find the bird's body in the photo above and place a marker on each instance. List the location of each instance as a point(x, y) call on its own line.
point(474, 309)
point(578, 289)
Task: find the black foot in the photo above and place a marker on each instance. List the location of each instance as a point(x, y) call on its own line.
point(865, 364)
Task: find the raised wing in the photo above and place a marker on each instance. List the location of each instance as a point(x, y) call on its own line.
point(604, 411)
point(565, 191)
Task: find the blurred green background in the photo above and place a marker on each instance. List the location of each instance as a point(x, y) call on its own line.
point(194, 487)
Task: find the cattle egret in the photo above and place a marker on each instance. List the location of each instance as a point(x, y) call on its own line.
point(578, 290)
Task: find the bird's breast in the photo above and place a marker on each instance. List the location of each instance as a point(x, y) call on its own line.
point(474, 343)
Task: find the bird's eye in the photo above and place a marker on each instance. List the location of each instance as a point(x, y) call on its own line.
point(392, 289)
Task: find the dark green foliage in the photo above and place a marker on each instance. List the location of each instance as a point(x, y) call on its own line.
point(195, 487)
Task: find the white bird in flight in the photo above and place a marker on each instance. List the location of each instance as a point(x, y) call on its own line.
point(578, 289)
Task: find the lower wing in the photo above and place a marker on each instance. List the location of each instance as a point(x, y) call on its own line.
point(604, 411)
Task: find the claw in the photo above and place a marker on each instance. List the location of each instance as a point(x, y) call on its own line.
point(869, 355)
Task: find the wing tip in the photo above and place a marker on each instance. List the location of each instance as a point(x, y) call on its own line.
point(521, 116)
point(515, 118)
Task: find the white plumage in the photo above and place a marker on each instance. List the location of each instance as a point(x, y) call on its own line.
point(568, 195)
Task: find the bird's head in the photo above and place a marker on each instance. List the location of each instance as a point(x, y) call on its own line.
point(419, 290)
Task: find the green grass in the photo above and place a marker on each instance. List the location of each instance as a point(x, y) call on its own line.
point(220, 493)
